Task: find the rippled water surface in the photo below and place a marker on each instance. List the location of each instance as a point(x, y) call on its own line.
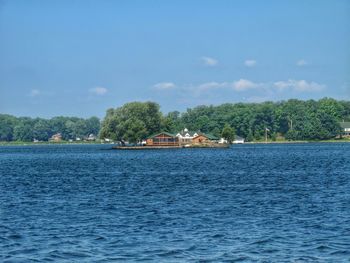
point(265, 203)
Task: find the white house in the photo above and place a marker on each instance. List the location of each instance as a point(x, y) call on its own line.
point(346, 128)
point(91, 137)
point(238, 139)
point(186, 136)
point(222, 140)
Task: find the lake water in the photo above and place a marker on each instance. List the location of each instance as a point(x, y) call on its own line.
point(265, 203)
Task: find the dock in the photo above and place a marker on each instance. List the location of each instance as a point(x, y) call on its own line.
point(154, 147)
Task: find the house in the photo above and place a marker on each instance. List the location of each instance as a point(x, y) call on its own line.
point(186, 136)
point(91, 137)
point(204, 138)
point(346, 128)
point(238, 139)
point(56, 137)
point(163, 139)
point(222, 140)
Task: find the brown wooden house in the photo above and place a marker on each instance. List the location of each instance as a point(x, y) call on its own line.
point(163, 139)
point(204, 138)
point(56, 137)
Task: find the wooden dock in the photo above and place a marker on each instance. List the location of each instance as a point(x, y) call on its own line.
point(145, 147)
point(153, 147)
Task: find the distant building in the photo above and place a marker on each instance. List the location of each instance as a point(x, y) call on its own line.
point(56, 137)
point(346, 128)
point(204, 138)
point(222, 140)
point(91, 137)
point(238, 139)
point(186, 136)
point(163, 139)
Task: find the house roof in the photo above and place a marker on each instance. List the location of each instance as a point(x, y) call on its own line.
point(209, 136)
point(166, 133)
point(345, 124)
point(212, 137)
point(184, 132)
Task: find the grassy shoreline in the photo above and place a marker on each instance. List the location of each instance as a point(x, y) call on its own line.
point(20, 143)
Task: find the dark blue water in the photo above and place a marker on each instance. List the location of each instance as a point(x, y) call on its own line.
point(265, 203)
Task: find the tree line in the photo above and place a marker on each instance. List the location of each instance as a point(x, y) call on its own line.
point(291, 120)
point(27, 129)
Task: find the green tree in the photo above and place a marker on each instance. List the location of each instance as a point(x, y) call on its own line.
point(228, 133)
point(7, 123)
point(92, 125)
point(41, 130)
point(23, 131)
point(132, 122)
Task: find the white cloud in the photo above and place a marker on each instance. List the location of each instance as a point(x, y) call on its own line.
point(255, 91)
point(250, 62)
point(298, 85)
point(164, 86)
point(302, 62)
point(212, 85)
point(100, 91)
point(244, 84)
point(211, 62)
point(34, 92)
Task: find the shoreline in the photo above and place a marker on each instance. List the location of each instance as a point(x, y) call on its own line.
point(3, 144)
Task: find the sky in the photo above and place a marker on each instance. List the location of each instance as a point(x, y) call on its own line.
point(79, 58)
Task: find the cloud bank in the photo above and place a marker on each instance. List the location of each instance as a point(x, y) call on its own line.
point(245, 86)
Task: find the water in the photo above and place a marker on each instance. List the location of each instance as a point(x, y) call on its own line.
point(264, 203)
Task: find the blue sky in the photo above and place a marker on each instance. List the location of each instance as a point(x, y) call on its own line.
point(79, 58)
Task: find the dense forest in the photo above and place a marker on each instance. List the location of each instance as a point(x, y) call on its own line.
point(290, 120)
point(28, 129)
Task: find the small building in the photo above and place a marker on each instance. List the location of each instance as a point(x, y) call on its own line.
point(56, 137)
point(91, 137)
point(185, 136)
point(238, 140)
point(163, 139)
point(346, 128)
point(204, 138)
point(222, 141)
